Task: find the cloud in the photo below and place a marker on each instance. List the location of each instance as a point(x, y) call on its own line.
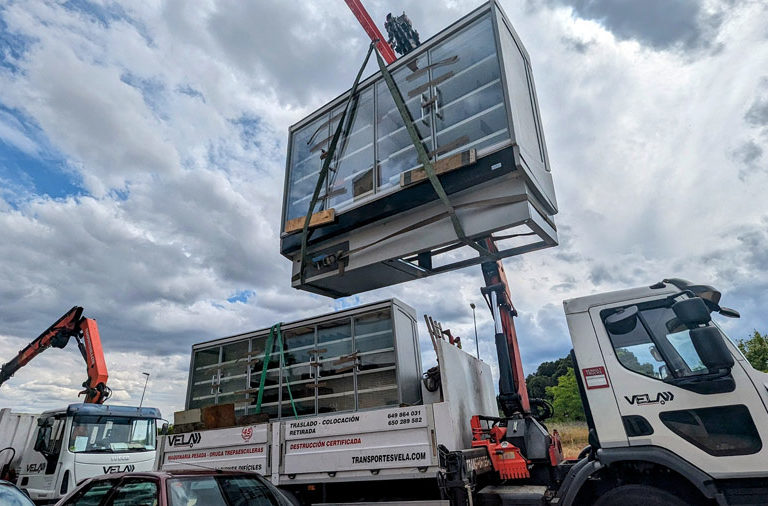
point(685, 25)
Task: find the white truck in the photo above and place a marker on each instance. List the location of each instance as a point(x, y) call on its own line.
point(676, 416)
point(55, 450)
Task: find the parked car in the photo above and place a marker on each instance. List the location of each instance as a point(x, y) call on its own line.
point(177, 488)
point(12, 496)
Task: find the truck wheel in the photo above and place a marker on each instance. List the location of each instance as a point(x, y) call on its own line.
point(639, 495)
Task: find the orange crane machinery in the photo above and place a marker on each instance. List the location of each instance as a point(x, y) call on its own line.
point(86, 333)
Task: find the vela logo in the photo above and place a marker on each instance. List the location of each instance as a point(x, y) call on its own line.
point(117, 469)
point(643, 399)
point(184, 439)
point(36, 468)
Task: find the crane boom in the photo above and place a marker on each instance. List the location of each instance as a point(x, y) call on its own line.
point(513, 394)
point(86, 333)
point(372, 30)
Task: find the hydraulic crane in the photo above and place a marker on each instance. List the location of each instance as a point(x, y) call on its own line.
point(86, 333)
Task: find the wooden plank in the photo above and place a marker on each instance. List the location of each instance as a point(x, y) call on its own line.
point(442, 166)
point(319, 218)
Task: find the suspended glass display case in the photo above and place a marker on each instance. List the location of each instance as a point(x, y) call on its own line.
point(360, 358)
point(470, 94)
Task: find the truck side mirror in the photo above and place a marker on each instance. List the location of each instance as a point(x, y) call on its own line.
point(622, 321)
point(692, 312)
point(43, 438)
point(711, 348)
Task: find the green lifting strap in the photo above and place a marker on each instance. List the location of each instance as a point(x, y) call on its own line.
point(274, 333)
point(424, 157)
point(305, 233)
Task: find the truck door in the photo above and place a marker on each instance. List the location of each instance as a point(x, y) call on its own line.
point(40, 464)
point(669, 398)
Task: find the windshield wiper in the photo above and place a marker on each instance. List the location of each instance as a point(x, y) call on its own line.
point(100, 450)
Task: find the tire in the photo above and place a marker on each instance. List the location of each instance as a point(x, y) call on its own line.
point(639, 495)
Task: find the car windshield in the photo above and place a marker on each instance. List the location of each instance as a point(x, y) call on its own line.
point(224, 490)
point(11, 496)
point(113, 434)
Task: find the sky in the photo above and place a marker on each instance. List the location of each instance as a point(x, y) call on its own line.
point(142, 157)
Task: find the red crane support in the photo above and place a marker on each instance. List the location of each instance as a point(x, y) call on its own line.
point(513, 393)
point(373, 32)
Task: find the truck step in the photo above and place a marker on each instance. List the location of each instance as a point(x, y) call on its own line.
point(517, 495)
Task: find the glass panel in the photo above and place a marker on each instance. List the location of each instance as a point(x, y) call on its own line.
point(257, 346)
point(376, 360)
point(206, 357)
point(298, 345)
point(470, 108)
point(385, 377)
point(234, 372)
point(204, 377)
point(350, 177)
point(374, 398)
point(374, 331)
point(304, 406)
point(720, 431)
point(336, 393)
point(334, 339)
point(307, 147)
point(301, 373)
point(270, 409)
point(396, 153)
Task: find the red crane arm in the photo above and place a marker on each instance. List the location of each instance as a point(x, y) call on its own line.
point(86, 333)
point(512, 379)
point(373, 32)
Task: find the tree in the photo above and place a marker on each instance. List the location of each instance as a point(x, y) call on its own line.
point(756, 350)
point(566, 399)
point(546, 375)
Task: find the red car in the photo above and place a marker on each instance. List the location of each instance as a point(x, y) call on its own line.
point(177, 488)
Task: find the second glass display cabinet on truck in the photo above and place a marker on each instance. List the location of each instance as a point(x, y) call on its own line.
point(355, 359)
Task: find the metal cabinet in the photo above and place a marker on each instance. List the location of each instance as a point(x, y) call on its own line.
point(469, 87)
point(355, 359)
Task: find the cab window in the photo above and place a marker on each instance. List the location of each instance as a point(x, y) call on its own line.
point(651, 344)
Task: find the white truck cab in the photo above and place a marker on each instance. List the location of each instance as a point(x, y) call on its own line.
point(86, 440)
point(664, 386)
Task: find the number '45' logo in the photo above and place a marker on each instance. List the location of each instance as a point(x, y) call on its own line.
point(643, 399)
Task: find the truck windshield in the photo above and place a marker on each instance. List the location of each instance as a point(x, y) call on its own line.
point(655, 347)
point(113, 434)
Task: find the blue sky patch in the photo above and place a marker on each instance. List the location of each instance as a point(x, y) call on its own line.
point(241, 296)
point(27, 162)
point(12, 46)
point(152, 91)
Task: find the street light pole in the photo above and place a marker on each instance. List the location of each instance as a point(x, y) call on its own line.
point(477, 343)
point(145, 388)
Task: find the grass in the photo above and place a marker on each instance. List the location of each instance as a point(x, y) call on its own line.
point(573, 436)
